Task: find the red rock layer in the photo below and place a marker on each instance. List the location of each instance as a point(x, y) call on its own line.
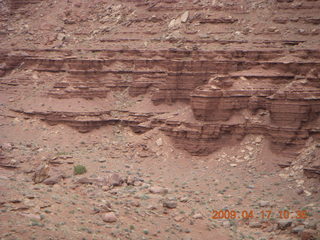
point(248, 92)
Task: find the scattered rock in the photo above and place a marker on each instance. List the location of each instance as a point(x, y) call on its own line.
point(53, 180)
point(131, 180)
point(226, 224)
point(170, 204)
point(109, 217)
point(172, 23)
point(249, 148)
point(135, 204)
point(85, 180)
point(184, 17)
point(307, 193)
point(197, 216)
point(255, 224)
point(284, 223)
point(264, 203)
point(7, 146)
point(183, 199)
point(41, 173)
point(61, 36)
point(297, 229)
point(180, 218)
point(151, 207)
point(300, 191)
point(8, 163)
point(159, 142)
point(175, 23)
point(259, 139)
point(138, 183)
point(158, 190)
point(115, 180)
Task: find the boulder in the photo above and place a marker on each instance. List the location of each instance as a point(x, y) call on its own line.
point(109, 217)
point(41, 173)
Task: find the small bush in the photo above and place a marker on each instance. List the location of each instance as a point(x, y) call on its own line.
point(79, 169)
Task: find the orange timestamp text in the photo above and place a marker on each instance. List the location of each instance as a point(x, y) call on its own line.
point(263, 214)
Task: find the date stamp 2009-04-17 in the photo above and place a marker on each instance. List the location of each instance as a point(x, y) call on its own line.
point(262, 214)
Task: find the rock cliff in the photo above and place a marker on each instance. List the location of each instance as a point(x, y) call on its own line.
point(235, 74)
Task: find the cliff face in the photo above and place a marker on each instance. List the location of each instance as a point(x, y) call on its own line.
point(236, 73)
point(285, 114)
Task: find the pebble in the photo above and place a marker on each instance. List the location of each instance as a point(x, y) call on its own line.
point(284, 223)
point(135, 204)
point(151, 207)
point(297, 229)
point(198, 216)
point(264, 203)
point(109, 217)
point(53, 180)
point(179, 218)
point(159, 142)
point(115, 180)
point(183, 199)
point(255, 224)
point(226, 224)
point(184, 17)
point(158, 190)
point(170, 204)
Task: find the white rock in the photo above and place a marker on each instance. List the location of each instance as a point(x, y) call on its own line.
point(197, 216)
point(175, 23)
point(172, 23)
point(249, 148)
point(159, 142)
point(308, 194)
point(158, 190)
point(184, 17)
point(263, 203)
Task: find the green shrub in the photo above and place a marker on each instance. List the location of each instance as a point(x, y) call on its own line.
point(79, 169)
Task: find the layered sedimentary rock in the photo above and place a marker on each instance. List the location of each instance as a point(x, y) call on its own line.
point(284, 114)
point(289, 106)
point(250, 92)
point(235, 76)
point(87, 121)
